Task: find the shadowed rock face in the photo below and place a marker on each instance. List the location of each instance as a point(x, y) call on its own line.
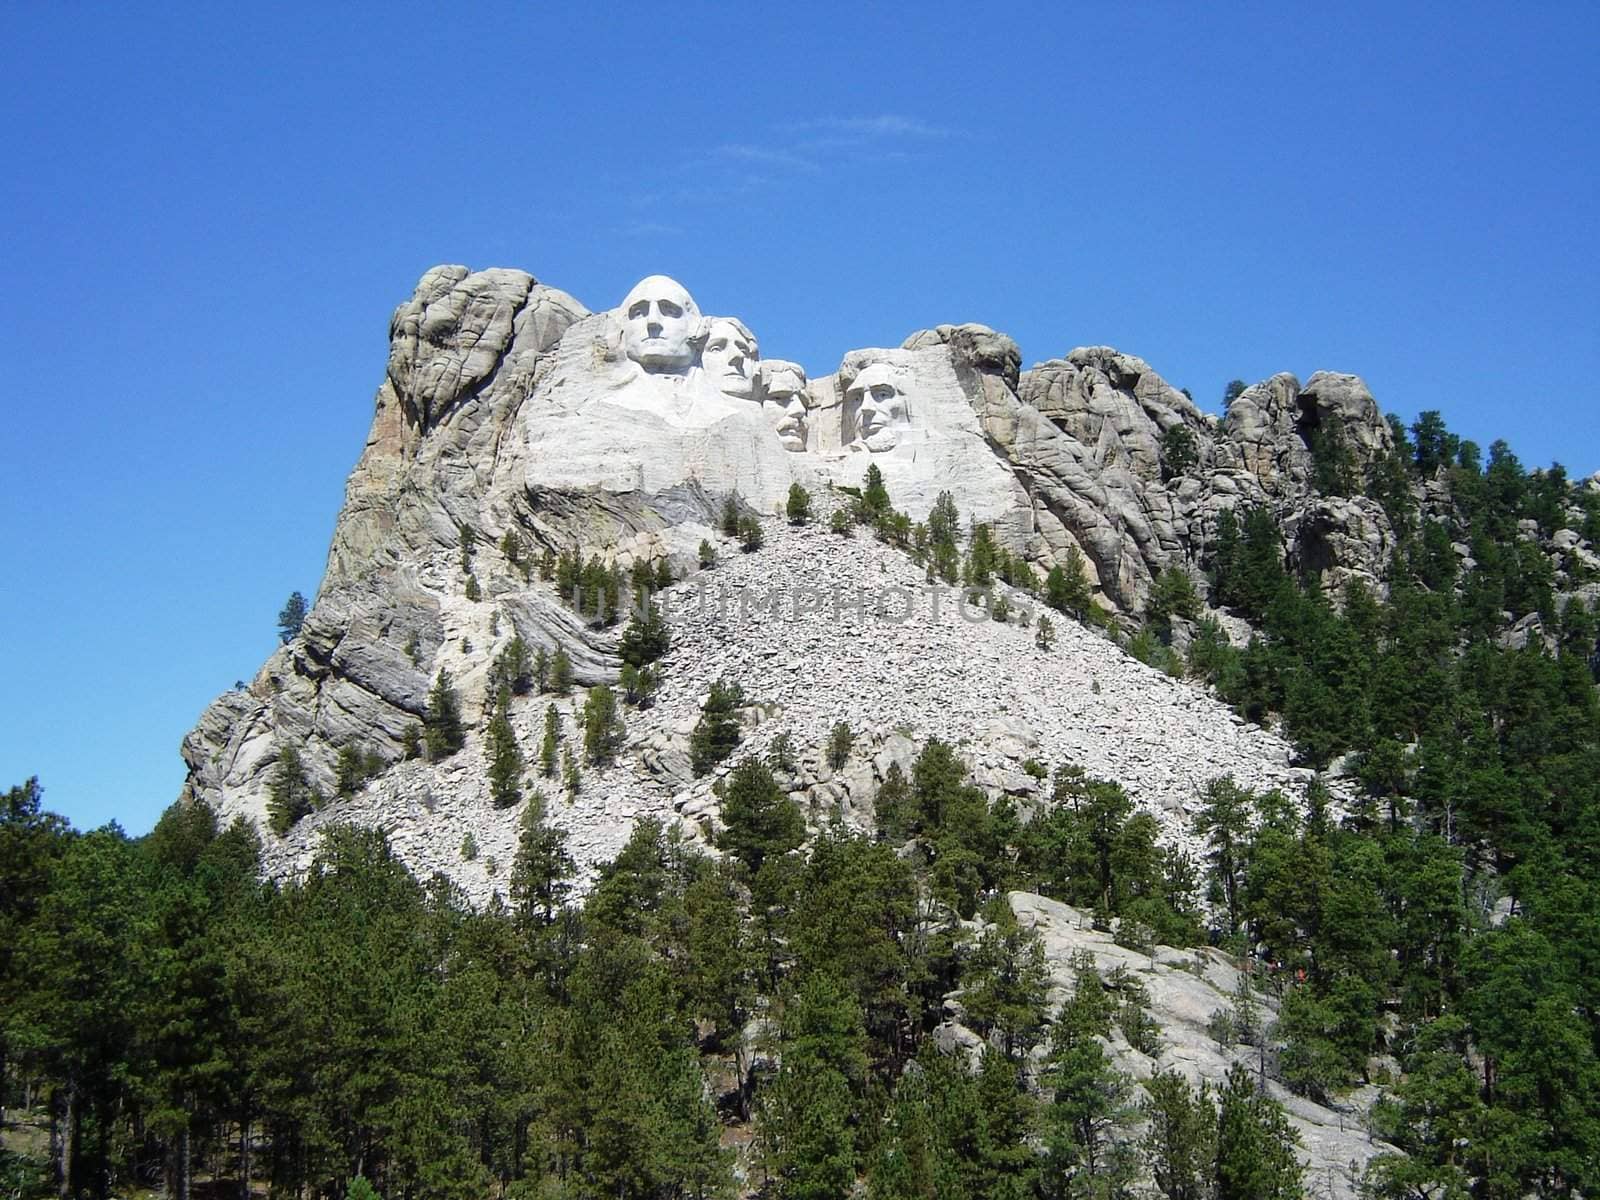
point(506, 407)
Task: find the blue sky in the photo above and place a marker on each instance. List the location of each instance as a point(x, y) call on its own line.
point(209, 216)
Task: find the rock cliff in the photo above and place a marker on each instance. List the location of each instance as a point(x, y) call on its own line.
point(507, 408)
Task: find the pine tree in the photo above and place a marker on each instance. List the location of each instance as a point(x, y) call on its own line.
point(603, 731)
point(1066, 588)
point(291, 617)
point(944, 521)
point(646, 638)
point(540, 872)
point(1045, 634)
point(513, 668)
point(1007, 982)
point(840, 739)
point(759, 820)
point(707, 555)
point(798, 508)
point(639, 685)
point(551, 743)
point(571, 777)
point(874, 496)
point(289, 795)
point(442, 730)
point(1224, 821)
point(503, 754)
point(751, 536)
point(730, 517)
point(561, 679)
point(411, 740)
point(895, 806)
point(717, 732)
point(1182, 1129)
point(1255, 1157)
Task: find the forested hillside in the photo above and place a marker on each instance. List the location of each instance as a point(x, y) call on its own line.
point(767, 1019)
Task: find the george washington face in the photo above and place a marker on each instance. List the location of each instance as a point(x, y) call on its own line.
point(659, 323)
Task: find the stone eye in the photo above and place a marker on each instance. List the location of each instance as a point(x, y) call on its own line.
point(669, 309)
point(640, 308)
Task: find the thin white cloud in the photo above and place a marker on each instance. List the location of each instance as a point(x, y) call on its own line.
point(649, 229)
point(724, 172)
point(884, 125)
point(767, 156)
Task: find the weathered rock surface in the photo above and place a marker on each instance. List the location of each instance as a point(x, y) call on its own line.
point(507, 407)
point(817, 629)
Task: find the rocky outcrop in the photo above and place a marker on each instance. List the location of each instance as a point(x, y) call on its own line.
point(506, 408)
point(817, 629)
point(1187, 989)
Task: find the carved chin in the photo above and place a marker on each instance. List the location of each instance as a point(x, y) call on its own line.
point(884, 439)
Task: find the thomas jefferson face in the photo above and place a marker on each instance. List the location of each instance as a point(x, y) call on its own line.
point(659, 321)
point(881, 410)
point(729, 358)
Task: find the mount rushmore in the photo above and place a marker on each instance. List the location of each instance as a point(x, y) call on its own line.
point(507, 406)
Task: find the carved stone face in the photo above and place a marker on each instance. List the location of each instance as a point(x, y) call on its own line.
point(882, 413)
point(783, 399)
point(729, 358)
point(659, 322)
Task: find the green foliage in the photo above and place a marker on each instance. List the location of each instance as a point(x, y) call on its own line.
point(646, 639)
point(639, 685)
point(730, 517)
point(503, 755)
point(780, 755)
point(561, 677)
point(291, 617)
point(759, 819)
point(550, 743)
point(603, 730)
point(944, 521)
point(442, 731)
point(289, 794)
point(1007, 982)
point(707, 555)
point(1435, 446)
point(874, 496)
point(1066, 588)
point(513, 668)
point(353, 768)
point(840, 739)
point(841, 523)
point(1044, 635)
point(751, 536)
point(798, 508)
point(1179, 455)
point(716, 733)
point(1232, 392)
point(1255, 1158)
point(1333, 467)
point(474, 592)
point(1181, 1135)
